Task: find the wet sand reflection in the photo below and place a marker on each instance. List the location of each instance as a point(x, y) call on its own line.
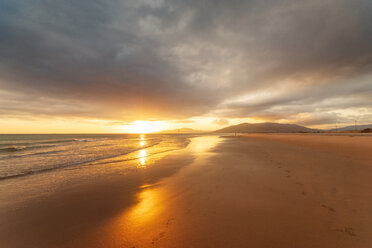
point(142, 154)
point(148, 221)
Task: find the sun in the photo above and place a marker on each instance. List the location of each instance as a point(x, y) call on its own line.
point(141, 127)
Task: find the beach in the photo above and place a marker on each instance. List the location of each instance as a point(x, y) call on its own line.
point(253, 190)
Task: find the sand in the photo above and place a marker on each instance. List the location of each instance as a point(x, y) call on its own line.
point(246, 191)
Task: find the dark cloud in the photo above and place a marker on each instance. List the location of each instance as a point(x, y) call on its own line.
point(165, 59)
point(281, 104)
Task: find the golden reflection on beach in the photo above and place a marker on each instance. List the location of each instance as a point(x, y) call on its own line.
point(147, 221)
point(147, 208)
point(150, 198)
point(142, 155)
point(139, 223)
point(202, 144)
point(142, 140)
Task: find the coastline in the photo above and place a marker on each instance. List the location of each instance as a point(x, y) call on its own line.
point(260, 190)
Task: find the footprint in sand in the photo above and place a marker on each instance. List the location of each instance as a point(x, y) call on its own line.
point(157, 237)
point(350, 231)
point(169, 222)
point(288, 172)
point(329, 208)
point(347, 230)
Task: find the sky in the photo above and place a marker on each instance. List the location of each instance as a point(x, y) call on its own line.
point(106, 66)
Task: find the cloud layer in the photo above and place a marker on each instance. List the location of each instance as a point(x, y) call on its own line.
point(303, 61)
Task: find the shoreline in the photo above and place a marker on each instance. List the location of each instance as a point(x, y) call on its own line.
point(260, 190)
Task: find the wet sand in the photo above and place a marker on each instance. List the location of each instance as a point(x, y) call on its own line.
point(247, 191)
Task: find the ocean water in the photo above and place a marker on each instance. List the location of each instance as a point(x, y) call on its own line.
point(24, 155)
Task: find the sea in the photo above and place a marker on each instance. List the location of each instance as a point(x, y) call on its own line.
point(24, 155)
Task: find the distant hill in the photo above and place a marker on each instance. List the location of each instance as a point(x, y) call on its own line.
point(351, 128)
point(182, 130)
point(267, 127)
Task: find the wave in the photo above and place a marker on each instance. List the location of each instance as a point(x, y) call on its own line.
point(89, 140)
point(30, 154)
point(13, 148)
point(32, 143)
point(12, 155)
point(36, 145)
point(133, 158)
point(64, 165)
point(45, 143)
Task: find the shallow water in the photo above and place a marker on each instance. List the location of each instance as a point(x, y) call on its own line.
point(23, 155)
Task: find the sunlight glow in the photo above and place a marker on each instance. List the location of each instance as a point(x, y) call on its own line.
point(142, 127)
point(142, 155)
point(147, 208)
point(142, 140)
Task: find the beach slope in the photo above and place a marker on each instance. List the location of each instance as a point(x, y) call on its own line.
point(259, 190)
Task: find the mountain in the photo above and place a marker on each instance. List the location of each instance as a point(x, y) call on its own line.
point(182, 130)
point(351, 128)
point(267, 127)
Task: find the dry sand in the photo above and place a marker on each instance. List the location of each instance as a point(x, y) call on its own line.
point(252, 191)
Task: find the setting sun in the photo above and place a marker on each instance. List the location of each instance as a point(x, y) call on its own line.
point(142, 127)
point(158, 123)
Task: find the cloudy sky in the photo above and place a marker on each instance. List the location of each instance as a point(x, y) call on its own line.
point(100, 65)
